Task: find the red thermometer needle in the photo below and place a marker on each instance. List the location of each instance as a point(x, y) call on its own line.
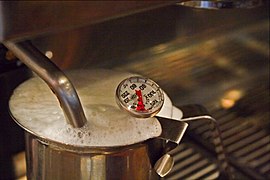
point(140, 105)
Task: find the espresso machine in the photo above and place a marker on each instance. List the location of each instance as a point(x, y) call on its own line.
point(213, 53)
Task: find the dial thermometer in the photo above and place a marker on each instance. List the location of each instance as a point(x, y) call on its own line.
point(140, 96)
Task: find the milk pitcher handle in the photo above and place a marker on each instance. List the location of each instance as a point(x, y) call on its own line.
point(174, 130)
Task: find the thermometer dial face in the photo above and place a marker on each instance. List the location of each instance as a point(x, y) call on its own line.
point(140, 96)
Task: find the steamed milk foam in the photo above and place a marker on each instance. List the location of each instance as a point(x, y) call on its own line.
point(37, 109)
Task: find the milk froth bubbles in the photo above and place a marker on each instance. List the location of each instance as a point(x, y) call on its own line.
point(37, 109)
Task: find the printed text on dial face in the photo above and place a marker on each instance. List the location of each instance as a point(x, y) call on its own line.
point(131, 90)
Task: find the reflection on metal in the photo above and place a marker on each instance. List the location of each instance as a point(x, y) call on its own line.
point(230, 98)
point(199, 68)
point(10, 56)
point(49, 54)
point(164, 165)
point(159, 49)
point(253, 44)
point(19, 165)
point(221, 4)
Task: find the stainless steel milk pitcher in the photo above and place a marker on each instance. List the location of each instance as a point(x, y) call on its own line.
point(150, 159)
point(48, 159)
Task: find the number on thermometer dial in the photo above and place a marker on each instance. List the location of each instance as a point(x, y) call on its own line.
point(140, 96)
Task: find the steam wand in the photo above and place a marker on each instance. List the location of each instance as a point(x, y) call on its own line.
point(54, 77)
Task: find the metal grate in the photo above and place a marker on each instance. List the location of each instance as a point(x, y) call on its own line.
point(248, 146)
point(192, 164)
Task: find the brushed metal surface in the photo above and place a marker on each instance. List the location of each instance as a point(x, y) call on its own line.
point(47, 160)
point(24, 19)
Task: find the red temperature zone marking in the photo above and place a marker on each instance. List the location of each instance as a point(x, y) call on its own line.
point(140, 105)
